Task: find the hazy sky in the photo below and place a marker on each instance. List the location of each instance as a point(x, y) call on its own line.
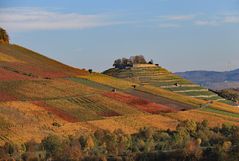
point(178, 34)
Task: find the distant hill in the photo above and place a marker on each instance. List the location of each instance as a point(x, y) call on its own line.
point(212, 79)
point(40, 96)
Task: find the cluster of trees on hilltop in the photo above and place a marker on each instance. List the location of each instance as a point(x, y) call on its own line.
point(128, 62)
point(4, 38)
point(191, 141)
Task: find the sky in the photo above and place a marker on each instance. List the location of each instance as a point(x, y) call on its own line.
point(180, 35)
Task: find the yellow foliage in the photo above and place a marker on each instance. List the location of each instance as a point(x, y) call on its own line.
point(90, 142)
point(199, 116)
point(107, 80)
point(8, 58)
point(172, 95)
point(52, 88)
point(29, 121)
point(225, 107)
point(226, 145)
point(132, 123)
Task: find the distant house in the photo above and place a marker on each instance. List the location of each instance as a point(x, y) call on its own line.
point(177, 84)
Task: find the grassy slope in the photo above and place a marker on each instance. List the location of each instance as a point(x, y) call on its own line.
point(24, 62)
point(37, 92)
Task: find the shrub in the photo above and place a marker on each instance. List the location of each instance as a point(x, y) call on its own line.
point(90, 70)
point(9, 148)
point(52, 144)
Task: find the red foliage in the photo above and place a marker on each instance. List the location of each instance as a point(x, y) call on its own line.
point(60, 113)
point(7, 97)
point(109, 114)
point(141, 104)
point(28, 71)
point(35, 71)
point(10, 75)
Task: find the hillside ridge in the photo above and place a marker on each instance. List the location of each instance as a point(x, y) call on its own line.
point(213, 79)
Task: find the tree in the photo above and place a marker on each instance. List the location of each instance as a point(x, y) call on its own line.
point(189, 125)
point(117, 63)
point(52, 144)
point(90, 70)
point(72, 152)
point(138, 59)
point(4, 38)
point(192, 151)
point(146, 133)
point(124, 62)
point(151, 61)
point(9, 148)
point(89, 142)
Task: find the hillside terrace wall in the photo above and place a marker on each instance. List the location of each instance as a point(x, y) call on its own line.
point(143, 65)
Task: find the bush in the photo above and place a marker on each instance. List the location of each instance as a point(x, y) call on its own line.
point(90, 70)
point(53, 145)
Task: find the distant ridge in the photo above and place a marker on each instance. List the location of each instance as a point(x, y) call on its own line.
point(213, 79)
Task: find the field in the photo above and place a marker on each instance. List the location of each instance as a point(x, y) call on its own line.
point(214, 119)
point(109, 81)
point(28, 63)
point(133, 123)
point(139, 103)
point(40, 96)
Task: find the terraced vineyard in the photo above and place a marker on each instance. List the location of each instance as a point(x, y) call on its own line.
point(160, 77)
point(40, 96)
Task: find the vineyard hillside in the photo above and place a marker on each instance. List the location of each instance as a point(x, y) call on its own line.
point(40, 96)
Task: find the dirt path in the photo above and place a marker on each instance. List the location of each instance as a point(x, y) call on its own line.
point(160, 100)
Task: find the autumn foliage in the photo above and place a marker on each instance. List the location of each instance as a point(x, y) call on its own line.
point(4, 38)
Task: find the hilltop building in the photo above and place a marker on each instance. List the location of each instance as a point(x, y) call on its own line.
point(143, 65)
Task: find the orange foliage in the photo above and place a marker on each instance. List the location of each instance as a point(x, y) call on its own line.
point(141, 104)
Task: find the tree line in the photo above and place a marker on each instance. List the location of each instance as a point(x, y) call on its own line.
point(191, 141)
point(128, 62)
point(230, 94)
